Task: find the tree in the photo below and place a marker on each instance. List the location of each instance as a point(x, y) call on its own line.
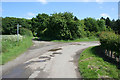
point(113, 24)
point(40, 24)
point(102, 18)
point(91, 25)
point(75, 18)
point(117, 26)
point(101, 25)
point(108, 22)
point(62, 26)
point(9, 25)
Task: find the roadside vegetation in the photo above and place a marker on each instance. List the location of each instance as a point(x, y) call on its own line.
point(11, 48)
point(94, 64)
point(102, 61)
point(79, 40)
point(110, 43)
point(65, 27)
point(61, 26)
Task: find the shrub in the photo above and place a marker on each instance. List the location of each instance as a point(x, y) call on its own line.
point(26, 32)
point(110, 41)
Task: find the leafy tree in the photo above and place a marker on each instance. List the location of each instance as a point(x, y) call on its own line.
point(9, 25)
point(59, 26)
point(113, 24)
point(62, 26)
point(102, 18)
point(101, 25)
point(117, 26)
point(75, 18)
point(108, 22)
point(81, 32)
point(91, 25)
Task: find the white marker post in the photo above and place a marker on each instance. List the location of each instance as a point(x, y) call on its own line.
point(18, 32)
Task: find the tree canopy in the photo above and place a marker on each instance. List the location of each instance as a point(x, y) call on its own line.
point(60, 26)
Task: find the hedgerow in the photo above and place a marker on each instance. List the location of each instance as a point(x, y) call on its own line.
point(110, 42)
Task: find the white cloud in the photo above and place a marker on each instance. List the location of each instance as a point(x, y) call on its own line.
point(100, 1)
point(105, 15)
point(28, 18)
point(31, 14)
point(43, 1)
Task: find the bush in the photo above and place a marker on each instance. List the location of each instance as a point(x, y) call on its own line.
point(110, 41)
point(26, 32)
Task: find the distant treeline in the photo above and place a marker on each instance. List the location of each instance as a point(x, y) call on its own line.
point(61, 26)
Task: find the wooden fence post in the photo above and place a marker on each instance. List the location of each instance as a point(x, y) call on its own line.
point(111, 53)
point(107, 52)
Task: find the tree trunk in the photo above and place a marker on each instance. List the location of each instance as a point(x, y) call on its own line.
point(104, 51)
point(107, 52)
point(115, 56)
point(119, 63)
point(111, 53)
point(119, 59)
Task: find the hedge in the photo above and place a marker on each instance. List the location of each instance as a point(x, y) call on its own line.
point(110, 42)
point(26, 32)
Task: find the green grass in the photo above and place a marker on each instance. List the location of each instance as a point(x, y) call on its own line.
point(78, 40)
point(91, 65)
point(11, 49)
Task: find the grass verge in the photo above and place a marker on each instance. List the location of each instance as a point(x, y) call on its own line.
point(78, 40)
point(13, 49)
point(92, 65)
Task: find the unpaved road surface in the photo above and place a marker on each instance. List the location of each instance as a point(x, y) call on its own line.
point(47, 60)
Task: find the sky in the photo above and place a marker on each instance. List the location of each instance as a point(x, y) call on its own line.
point(81, 9)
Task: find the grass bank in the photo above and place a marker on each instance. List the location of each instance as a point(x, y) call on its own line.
point(12, 49)
point(92, 65)
point(78, 40)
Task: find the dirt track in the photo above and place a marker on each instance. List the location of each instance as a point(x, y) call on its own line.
point(47, 60)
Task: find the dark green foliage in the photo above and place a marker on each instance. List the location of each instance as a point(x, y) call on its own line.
point(58, 26)
point(9, 25)
point(75, 18)
point(110, 41)
point(112, 25)
point(91, 25)
point(39, 24)
point(108, 22)
point(101, 24)
point(117, 26)
point(65, 26)
point(61, 26)
point(26, 32)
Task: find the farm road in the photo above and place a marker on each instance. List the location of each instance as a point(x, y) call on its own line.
point(47, 60)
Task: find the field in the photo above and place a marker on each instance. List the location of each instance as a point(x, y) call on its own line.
point(11, 48)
